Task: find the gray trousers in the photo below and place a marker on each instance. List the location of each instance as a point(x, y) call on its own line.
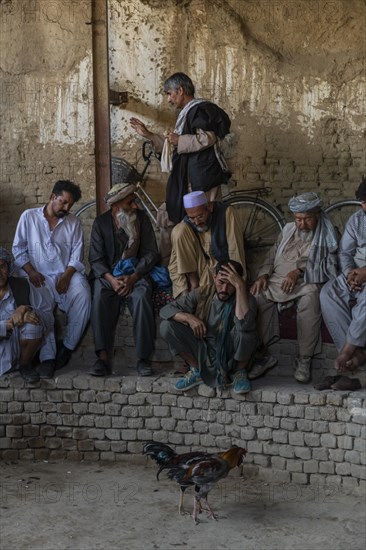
point(240, 346)
point(308, 321)
point(106, 308)
point(345, 324)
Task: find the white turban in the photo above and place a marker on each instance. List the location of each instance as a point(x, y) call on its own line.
point(307, 202)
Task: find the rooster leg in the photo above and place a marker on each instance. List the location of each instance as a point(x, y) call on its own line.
point(196, 509)
point(211, 513)
point(181, 505)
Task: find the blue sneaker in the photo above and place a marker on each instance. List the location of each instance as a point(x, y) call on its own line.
point(190, 380)
point(241, 384)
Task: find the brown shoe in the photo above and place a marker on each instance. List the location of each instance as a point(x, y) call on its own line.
point(346, 384)
point(326, 383)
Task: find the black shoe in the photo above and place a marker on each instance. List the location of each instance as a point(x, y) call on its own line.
point(100, 368)
point(29, 373)
point(47, 368)
point(63, 357)
point(144, 368)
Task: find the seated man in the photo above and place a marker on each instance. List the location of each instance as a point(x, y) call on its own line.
point(303, 258)
point(209, 233)
point(213, 328)
point(24, 319)
point(347, 324)
point(49, 248)
point(124, 232)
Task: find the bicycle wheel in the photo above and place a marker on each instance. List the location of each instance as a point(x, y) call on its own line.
point(340, 211)
point(261, 223)
point(87, 213)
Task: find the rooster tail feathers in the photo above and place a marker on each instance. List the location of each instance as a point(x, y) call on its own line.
point(161, 453)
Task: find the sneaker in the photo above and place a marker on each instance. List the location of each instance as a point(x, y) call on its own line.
point(190, 380)
point(241, 384)
point(302, 371)
point(261, 366)
point(46, 369)
point(29, 373)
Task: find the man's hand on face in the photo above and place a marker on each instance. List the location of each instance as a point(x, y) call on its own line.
point(229, 274)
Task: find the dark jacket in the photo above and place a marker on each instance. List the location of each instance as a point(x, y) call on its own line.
point(102, 253)
point(201, 169)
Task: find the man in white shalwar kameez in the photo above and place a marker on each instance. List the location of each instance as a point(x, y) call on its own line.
point(24, 320)
point(343, 300)
point(48, 248)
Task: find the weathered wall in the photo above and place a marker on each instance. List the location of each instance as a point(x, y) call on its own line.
point(289, 73)
point(302, 436)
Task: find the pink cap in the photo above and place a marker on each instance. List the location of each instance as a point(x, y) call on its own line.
point(196, 198)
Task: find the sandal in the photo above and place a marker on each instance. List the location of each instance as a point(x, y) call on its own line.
point(326, 383)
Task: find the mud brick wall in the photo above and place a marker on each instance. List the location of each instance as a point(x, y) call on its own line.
point(292, 435)
point(296, 104)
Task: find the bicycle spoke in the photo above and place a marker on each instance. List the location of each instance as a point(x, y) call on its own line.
point(261, 223)
point(340, 212)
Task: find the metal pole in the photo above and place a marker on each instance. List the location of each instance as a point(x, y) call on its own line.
point(102, 137)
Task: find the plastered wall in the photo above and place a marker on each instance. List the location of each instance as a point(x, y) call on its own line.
point(289, 73)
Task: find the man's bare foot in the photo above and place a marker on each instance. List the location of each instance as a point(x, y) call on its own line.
point(357, 360)
point(340, 363)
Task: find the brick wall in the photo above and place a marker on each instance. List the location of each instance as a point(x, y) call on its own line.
point(294, 434)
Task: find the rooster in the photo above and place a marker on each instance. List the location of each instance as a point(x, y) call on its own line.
point(199, 469)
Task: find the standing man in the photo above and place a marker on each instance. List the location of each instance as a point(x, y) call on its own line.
point(24, 320)
point(197, 160)
point(209, 233)
point(343, 300)
point(122, 233)
point(213, 328)
point(303, 258)
point(48, 249)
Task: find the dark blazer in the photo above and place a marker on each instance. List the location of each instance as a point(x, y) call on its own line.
point(102, 253)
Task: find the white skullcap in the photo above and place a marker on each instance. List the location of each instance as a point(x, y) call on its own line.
point(196, 198)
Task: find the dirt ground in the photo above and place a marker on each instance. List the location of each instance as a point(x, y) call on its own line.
point(77, 506)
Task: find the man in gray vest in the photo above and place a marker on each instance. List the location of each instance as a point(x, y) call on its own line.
point(24, 320)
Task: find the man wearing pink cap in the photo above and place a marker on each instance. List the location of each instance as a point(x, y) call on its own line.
point(209, 233)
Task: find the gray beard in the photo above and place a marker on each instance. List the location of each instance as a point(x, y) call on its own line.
point(202, 229)
point(305, 236)
point(126, 221)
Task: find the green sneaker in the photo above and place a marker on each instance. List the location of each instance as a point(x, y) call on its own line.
point(190, 380)
point(241, 384)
